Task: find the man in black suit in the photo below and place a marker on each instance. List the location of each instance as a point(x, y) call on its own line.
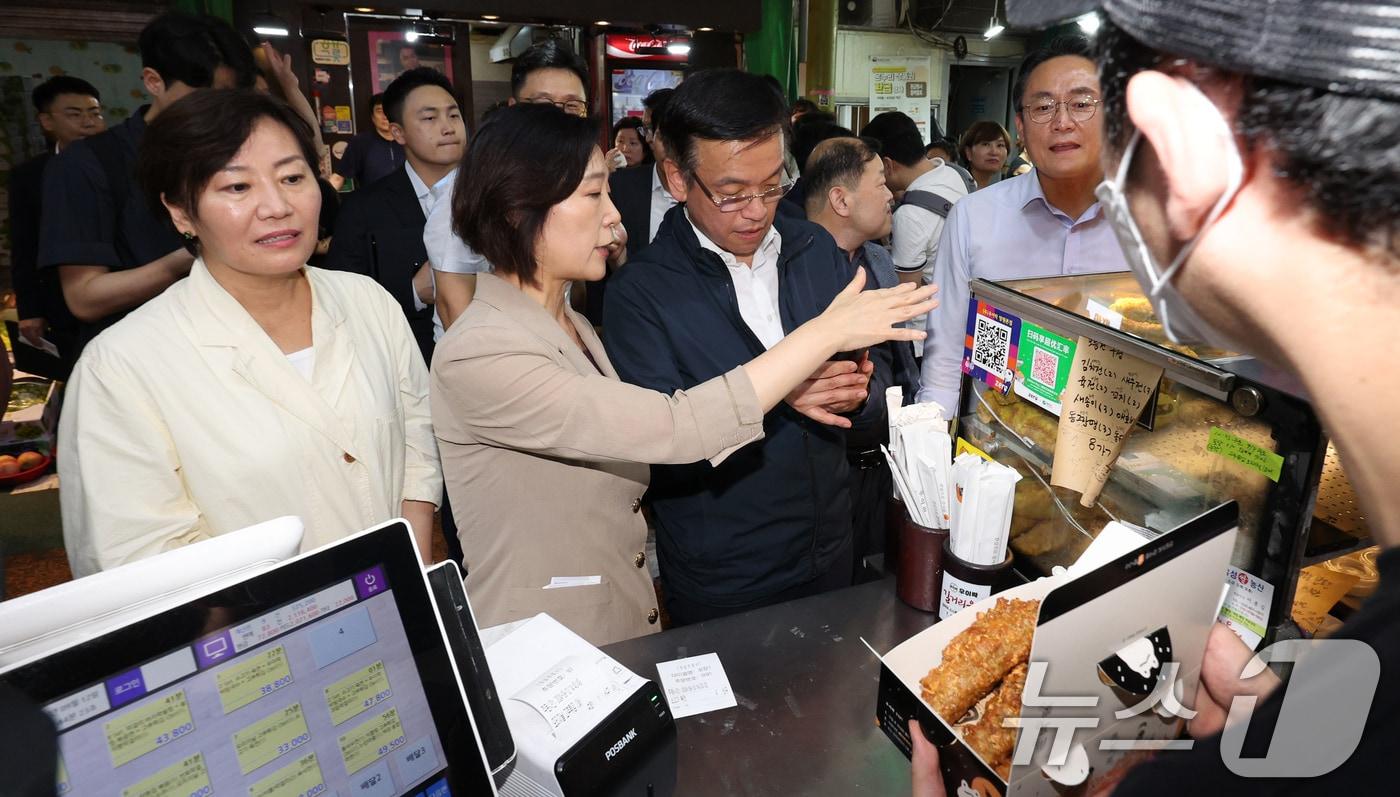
point(69, 109)
point(380, 229)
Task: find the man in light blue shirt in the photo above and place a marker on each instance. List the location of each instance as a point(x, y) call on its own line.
point(1043, 223)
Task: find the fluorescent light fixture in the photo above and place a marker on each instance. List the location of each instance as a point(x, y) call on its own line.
point(490, 17)
point(364, 9)
point(994, 30)
point(268, 30)
point(602, 23)
point(678, 48)
point(268, 24)
point(704, 30)
point(1089, 23)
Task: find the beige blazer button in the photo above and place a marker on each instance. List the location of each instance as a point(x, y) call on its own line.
point(640, 560)
point(349, 458)
point(636, 505)
point(652, 615)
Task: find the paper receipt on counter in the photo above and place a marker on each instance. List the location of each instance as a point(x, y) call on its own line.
point(577, 692)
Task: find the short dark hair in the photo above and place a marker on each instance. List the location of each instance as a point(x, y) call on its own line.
point(803, 106)
point(982, 130)
point(721, 105)
point(807, 135)
point(840, 162)
point(548, 54)
point(374, 100)
point(1068, 44)
point(633, 123)
point(1338, 150)
point(396, 93)
point(657, 102)
point(945, 144)
point(45, 93)
point(524, 160)
point(898, 136)
point(190, 49)
point(207, 129)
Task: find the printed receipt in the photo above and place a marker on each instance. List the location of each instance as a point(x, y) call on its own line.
point(261, 675)
point(357, 693)
point(137, 733)
point(277, 733)
point(185, 778)
point(695, 685)
point(577, 692)
point(372, 741)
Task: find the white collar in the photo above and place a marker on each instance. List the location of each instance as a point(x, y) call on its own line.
point(772, 243)
point(420, 188)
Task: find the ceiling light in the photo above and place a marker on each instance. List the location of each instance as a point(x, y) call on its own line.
point(1089, 23)
point(364, 9)
point(994, 28)
point(602, 23)
point(678, 48)
point(410, 35)
point(266, 23)
point(490, 17)
point(704, 30)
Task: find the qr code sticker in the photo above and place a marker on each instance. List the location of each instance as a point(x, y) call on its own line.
point(1045, 367)
point(991, 345)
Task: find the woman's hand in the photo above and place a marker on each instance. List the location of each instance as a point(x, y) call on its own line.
point(858, 318)
point(281, 68)
point(928, 778)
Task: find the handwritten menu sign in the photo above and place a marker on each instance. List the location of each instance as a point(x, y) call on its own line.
point(1107, 391)
point(1319, 589)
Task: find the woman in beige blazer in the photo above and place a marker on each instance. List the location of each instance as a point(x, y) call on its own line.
point(255, 387)
point(544, 450)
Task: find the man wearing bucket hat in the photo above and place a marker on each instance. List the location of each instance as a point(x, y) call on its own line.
point(1253, 179)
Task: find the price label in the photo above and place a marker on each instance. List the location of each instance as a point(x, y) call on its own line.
point(278, 733)
point(258, 677)
point(151, 726)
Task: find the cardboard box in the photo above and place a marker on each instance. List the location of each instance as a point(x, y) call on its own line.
point(1157, 600)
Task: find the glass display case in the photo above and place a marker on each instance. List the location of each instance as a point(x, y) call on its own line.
point(1296, 513)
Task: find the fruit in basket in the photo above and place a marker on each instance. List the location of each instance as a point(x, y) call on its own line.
point(30, 459)
point(9, 466)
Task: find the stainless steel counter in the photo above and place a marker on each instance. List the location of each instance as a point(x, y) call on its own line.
point(805, 723)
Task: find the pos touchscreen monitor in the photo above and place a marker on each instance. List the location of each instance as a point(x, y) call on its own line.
point(327, 675)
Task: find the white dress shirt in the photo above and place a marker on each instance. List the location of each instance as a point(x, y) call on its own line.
point(427, 195)
point(756, 286)
point(1004, 231)
point(184, 421)
point(661, 201)
point(446, 251)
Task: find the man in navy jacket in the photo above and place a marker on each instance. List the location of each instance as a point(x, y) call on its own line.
point(720, 284)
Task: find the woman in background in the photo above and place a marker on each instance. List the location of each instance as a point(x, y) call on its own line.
point(984, 148)
point(629, 139)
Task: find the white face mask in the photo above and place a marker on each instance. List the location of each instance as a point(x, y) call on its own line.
point(1181, 323)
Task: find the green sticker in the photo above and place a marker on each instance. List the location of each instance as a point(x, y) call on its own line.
point(1244, 452)
point(1043, 363)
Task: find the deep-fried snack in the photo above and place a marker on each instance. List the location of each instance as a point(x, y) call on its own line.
point(987, 737)
point(979, 657)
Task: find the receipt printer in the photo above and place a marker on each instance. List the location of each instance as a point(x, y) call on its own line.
point(582, 723)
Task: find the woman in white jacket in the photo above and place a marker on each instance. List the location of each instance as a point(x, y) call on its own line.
point(255, 387)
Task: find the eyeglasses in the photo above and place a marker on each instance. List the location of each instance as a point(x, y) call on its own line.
point(575, 107)
point(1081, 108)
point(732, 204)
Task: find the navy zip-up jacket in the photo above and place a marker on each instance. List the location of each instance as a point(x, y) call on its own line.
point(775, 514)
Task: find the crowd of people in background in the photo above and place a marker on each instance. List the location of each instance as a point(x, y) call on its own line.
point(697, 316)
